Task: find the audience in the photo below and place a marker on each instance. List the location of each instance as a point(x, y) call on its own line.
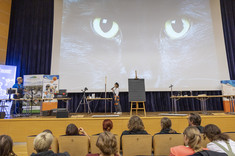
point(166, 127)
point(195, 120)
point(6, 146)
point(42, 145)
point(107, 125)
point(72, 129)
point(220, 142)
point(107, 143)
point(192, 140)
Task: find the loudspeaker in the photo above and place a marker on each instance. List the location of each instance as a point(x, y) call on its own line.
point(2, 115)
point(62, 114)
point(47, 113)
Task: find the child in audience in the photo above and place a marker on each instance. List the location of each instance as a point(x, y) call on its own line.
point(72, 129)
point(42, 145)
point(135, 126)
point(107, 143)
point(6, 146)
point(220, 142)
point(195, 120)
point(192, 140)
point(166, 127)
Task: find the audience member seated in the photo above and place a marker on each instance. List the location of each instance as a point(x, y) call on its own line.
point(135, 126)
point(107, 125)
point(48, 131)
point(166, 127)
point(192, 140)
point(73, 130)
point(220, 142)
point(6, 146)
point(195, 120)
point(42, 144)
point(107, 144)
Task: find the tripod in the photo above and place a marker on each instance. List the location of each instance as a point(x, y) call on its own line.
point(84, 102)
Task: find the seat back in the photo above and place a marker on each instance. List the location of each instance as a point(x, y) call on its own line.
point(94, 149)
point(74, 145)
point(136, 145)
point(30, 147)
point(163, 142)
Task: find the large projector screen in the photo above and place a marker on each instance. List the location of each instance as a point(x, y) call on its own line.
point(177, 42)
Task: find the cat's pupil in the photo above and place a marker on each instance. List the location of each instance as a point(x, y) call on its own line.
point(106, 25)
point(177, 25)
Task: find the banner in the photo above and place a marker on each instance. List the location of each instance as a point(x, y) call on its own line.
point(228, 88)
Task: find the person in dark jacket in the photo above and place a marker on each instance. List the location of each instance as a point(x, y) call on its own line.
point(166, 127)
point(42, 144)
point(135, 126)
point(195, 120)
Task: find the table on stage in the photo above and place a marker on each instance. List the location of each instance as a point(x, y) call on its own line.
point(203, 99)
point(89, 100)
point(3, 101)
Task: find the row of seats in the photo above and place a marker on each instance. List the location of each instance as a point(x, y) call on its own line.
point(131, 144)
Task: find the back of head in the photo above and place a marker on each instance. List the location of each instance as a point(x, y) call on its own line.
point(135, 124)
point(48, 131)
point(166, 123)
point(213, 133)
point(72, 130)
point(42, 142)
point(107, 125)
point(195, 119)
point(6, 145)
point(193, 137)
point(107, 143)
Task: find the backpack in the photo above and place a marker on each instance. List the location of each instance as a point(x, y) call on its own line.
point(229, 152)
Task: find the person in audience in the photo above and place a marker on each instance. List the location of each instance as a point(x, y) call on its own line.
point(220, 142)
point(107, 125)
point(48, 131)
point(135, 126)
point(72, 129)
point(6, 146)
point(192, 141)
point(107, 143)
point(42, 145)
point(166, 127)
point(195, 120)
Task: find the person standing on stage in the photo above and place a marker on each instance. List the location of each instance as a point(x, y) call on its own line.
point(117, 105)
point(17, 105)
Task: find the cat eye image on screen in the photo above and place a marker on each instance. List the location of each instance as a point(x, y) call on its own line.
point(177, 42)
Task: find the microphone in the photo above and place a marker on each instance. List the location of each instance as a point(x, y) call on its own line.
point(112, 88)
point(171, 86)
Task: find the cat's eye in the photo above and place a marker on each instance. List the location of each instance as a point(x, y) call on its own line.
point(105, 28)
point(176, 29)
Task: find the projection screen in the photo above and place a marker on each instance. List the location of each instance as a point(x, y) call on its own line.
point(177, 42)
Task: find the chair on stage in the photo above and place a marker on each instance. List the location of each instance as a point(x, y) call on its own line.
point(30, 147)
point(133, 145)
point(74, 145)
point(163, 142)
point(94, 149)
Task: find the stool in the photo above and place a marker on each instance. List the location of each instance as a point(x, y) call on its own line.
point(137, 107)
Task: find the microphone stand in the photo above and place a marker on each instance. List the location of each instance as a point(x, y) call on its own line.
point(172, 102)
point(105, 95)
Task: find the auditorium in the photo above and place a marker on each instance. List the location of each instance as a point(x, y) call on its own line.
point(117, 77)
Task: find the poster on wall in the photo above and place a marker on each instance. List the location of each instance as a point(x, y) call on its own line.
point(50, 86)
point(228, 88)
point(7, 80)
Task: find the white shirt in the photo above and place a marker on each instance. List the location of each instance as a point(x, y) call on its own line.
point(213, 147)
point(116, 91)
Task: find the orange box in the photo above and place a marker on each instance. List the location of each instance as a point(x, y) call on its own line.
point(49, 106)
point(226, 105)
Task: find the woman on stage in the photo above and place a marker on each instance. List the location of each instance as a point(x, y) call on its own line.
point(117, 105)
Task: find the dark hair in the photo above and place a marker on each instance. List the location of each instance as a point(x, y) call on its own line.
point(107, 125)
point(72, 129)
point(213, 133)
point(48, 131)
point(6, 146)
point(166, 124)
point(135, 124)
point(195, 119)
point(117, 84)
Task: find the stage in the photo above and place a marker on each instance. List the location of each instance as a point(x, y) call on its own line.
point(20, 128)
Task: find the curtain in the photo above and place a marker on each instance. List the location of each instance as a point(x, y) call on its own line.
point(30, 36)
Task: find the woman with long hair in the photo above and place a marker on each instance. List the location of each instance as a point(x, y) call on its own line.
point(166, 126)
point(6, 146)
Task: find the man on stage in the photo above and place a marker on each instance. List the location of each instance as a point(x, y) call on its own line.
point(117, 105)
point(16, 107)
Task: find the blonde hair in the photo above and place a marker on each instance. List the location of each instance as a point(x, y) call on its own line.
point(43, 142)
point(135, 124)
point(194, 138)
point(107, 143)
point(19, 78)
